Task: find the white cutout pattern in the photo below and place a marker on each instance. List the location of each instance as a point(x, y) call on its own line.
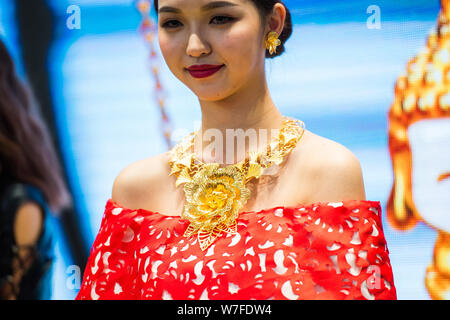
point(279, 253)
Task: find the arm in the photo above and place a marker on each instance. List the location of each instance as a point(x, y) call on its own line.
point(110, 270)
point(346, 253)
point(28, 224)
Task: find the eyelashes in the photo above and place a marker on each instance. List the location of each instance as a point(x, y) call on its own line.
point(168, 25)
point(227, 19)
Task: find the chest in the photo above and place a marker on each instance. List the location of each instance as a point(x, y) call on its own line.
point(282, 185)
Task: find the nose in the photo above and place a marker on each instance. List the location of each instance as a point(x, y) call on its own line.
point(196, 46)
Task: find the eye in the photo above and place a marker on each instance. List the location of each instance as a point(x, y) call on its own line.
point(220, 19)
point(167, 24)
point(224, 19)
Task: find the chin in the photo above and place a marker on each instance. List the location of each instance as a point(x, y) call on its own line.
point(209, 92)
point(211, 96)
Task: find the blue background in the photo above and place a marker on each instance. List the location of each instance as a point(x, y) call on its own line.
point(337, 76)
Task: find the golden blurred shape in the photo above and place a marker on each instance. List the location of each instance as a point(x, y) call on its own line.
point(422, 93)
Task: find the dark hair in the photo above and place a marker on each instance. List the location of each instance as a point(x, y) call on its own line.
point(265, 8)
point(26, 150)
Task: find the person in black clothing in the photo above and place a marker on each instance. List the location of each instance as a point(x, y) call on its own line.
point(31, 190)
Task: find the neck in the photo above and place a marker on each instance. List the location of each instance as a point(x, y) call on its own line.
point(248, 113)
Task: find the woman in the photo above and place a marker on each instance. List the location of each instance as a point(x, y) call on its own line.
point(31, 189)
point(289, 212)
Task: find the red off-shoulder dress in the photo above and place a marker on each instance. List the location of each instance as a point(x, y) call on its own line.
point(325, 250)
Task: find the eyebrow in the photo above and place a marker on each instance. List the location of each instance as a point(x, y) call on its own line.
point(207, 7)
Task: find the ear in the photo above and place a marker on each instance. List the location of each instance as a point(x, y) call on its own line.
point(276, 21)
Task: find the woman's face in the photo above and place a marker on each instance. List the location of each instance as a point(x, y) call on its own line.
point(228, 35)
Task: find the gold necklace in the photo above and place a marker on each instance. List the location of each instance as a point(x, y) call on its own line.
point(214, 195)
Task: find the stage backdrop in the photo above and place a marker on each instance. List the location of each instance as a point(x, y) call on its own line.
point(345, 74)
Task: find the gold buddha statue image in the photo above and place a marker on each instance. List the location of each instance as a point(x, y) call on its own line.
point(419, 146)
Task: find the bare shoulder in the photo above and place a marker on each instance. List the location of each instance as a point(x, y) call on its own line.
point(136, 183)
point(328, 154)
point(334, 171)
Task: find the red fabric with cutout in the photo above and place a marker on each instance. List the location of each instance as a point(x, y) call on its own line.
point(320, 251)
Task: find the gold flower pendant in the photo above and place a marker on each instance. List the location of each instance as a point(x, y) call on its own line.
point(214, 197)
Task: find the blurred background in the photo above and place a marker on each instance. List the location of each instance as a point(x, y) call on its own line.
point(109, 101)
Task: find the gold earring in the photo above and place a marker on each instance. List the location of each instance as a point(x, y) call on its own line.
point(272, 42)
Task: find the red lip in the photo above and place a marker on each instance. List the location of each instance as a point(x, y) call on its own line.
point(204, 70)
point(201, 67)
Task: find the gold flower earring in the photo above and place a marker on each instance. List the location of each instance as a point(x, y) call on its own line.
point(272, 42)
